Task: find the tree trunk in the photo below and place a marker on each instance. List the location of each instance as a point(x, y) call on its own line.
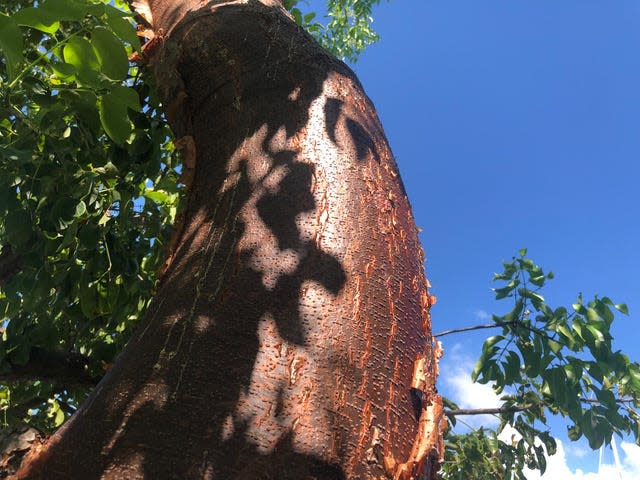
point(290, 337)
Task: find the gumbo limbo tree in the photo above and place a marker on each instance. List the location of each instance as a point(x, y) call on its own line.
point(280, 328)
point(289, 333)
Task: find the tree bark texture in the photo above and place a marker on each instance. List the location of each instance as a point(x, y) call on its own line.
point(290, 337)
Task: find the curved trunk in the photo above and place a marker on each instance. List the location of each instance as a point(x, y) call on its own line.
point(290, 337)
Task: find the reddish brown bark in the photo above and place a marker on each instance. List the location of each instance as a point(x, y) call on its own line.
point(290, 337)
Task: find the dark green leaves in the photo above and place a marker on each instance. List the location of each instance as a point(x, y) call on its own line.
point(122, 27)
point(79, 53)
point(38, 18)
point(17, 225)
point(11, 44)
point(113, 108)
point(111, 53)
point(78, 157)
point(66, 9)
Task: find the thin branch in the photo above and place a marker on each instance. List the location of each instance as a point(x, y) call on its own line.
point(476, 327)
point(518, 323)
point(617, 400)
point(516, 408)
point(488, 411)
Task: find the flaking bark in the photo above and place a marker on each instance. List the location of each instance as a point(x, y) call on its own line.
point(290, 336)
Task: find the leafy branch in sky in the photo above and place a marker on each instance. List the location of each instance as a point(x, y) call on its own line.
point(349, 28)
point(559, 361)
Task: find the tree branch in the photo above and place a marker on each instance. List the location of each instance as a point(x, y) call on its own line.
point(515, 408)
point(488, 411)
point(475, 327)
point(59, 367)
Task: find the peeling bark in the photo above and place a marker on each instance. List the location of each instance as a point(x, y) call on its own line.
point(290, 336)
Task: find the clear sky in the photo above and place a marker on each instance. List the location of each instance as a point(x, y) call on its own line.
point(516, 124)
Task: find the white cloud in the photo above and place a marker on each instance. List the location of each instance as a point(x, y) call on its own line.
point(482, 315)
point(557, 467)
point(576, 450)
point(456, 371)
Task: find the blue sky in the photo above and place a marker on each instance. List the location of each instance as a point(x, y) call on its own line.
point(516, 124)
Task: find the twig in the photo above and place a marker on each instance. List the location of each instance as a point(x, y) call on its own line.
point(476, 327)
point(516, 408)
point(488, 411)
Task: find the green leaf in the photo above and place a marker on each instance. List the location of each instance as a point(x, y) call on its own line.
point(158, 196)
point(122, 27)
point(512, 368)
point(592, 316)
point(297, 15)
point(513, 314)
point(573, 372)
point(56, 413)
point(66, 9)
point(534, 297)
point(81, 209)
point(289, 4)
point(106, 216)
point(79, 53)
point(17, 227)
point(64, 71)
point(85, 105)
point(111, 54)
point(88, 298)
point(622, 308)
point(554, 346)
point(531, 360)
point(597, 334)
point(113, 112)
point(127, 96)
point(501, 276)
point(490, 342)
point(538, 281)
point(574, 433)
point(63, 212)
point(523, 252)
point(477, 369)
point(505, 291)
point(11, 44)
point(38, 18)
point(564, 330)
point(578, 307)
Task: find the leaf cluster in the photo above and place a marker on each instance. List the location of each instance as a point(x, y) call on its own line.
point(553, 360)
point(88, 191)
point(348, 30)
